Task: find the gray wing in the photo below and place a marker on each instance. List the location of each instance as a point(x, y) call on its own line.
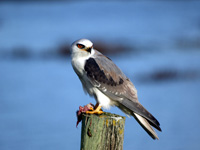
point(110, 80)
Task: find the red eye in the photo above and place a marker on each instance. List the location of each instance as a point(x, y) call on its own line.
point(81, 46)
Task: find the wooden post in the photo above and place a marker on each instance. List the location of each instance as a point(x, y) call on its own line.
point(102, 132)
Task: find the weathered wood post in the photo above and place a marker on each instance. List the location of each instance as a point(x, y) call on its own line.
point(102, 132)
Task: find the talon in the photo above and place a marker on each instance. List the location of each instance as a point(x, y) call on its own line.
point(91, 108)
point(94, 112)
point(97, 110)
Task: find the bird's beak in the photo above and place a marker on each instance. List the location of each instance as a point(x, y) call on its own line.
point(89, 49)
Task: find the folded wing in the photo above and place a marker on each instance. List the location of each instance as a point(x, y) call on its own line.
point(110, 80)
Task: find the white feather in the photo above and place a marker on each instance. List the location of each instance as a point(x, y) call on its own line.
point(103, 100)
point(146, 125)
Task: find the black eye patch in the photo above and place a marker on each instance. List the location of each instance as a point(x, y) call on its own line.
point(81, 46)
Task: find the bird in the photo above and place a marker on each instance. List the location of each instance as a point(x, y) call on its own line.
point(104, 81)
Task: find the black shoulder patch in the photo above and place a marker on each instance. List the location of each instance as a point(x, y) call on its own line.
point(93, 71)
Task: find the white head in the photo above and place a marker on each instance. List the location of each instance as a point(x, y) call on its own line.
point(82, 47)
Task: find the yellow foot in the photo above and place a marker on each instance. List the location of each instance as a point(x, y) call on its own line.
point(96, 111)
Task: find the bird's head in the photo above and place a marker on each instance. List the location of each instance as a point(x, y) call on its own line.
point(82, 47)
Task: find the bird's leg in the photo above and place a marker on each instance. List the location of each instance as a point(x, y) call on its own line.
point(97, 104)
point(96, 110)
point(94, 107)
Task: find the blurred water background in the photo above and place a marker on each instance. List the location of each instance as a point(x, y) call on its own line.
point(155, 43)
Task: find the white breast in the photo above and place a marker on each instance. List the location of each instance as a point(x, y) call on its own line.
point(78, 61)
point(78, 65)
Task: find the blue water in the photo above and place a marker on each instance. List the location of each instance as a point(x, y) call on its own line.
point(39, 98)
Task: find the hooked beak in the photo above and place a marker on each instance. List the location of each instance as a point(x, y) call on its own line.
point(89, 49)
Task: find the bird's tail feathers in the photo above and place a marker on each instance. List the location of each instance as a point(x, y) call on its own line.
point(145, 125)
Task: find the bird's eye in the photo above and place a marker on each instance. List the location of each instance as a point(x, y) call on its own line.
point(81, 46)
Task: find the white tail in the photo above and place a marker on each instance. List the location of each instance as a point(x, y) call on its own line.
point(146, 126)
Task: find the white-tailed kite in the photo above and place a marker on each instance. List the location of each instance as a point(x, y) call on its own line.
point(103, 80)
